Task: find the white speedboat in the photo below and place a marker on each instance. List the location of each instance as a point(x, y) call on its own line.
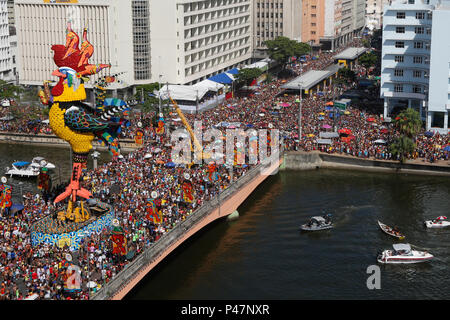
point(403, 253)
point(439, 222)
point(318, 223)
point(28, 169)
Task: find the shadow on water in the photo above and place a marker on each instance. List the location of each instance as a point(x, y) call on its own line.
point(263, 254)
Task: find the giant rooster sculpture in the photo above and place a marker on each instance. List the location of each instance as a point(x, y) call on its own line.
point(76, 122)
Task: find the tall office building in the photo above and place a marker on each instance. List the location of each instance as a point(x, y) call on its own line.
point(5, 57)
point(193, 40)
point(331, 23)
point(274, 18)
point(416, 60)
point(113, 29)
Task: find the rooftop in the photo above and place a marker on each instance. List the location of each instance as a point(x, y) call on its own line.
point(351, 53)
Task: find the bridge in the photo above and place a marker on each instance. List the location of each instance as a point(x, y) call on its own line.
point(221, 206)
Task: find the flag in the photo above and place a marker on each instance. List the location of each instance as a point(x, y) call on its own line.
point(160, 128)
point(187, 191)
point(119, 241)
point(154, 212)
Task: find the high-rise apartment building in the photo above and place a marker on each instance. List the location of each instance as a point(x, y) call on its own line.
point(194, 40)
point(416, 60)
point(5, 57)
point(274, 18)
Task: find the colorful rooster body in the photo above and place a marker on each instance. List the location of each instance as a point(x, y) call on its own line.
point(74, 121)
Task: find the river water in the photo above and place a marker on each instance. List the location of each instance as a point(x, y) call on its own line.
point(262, 255)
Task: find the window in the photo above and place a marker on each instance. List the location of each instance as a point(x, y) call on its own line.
point(419, 30)
point(418, 45)
point(399, 59)
point(429, 15)
point(411, 1)
point(417, 89)
point(398, 72)
point(400, 30)
point(417, 74)
point(417, 59)
point(420, 15)
point(398, 88)
point(399, 44)
point(401, 15)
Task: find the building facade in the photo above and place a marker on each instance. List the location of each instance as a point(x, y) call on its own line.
point(274, 18)
point(406, 50)
point(194, 40)
point(439, 89)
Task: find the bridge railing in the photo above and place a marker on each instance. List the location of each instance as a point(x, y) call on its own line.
point(155, 250)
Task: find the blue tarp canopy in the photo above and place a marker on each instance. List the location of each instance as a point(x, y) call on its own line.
point(221, 78)
point(21, 163)
point(233, 71)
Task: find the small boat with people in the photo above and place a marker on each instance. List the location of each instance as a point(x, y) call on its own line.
point(318, 223)
point(394, 232)
point(439, 222)
point(28, 169)
point(403, 253)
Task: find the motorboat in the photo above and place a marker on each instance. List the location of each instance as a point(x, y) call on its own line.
point(391, 231)
point(318, 223)
point(28, 169)
point(439, 222)
point(403, 253)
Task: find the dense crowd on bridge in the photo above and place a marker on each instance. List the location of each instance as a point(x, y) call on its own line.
point(127, 183)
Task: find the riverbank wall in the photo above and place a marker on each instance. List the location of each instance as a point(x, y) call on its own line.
point(319, 160)
point(127, 145)
point(222, 205)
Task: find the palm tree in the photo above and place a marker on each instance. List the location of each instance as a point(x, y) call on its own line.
point(409, 122)
point(402, 146)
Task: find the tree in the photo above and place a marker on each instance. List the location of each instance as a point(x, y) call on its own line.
point(150, 101)
point(247, 75)
point(8, 90)
point(368, 59)
point(283, 48)
point(402, 147)
point(408, 122)
point(346, 75)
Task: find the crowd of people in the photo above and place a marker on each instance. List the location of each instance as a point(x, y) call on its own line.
point(127, 183)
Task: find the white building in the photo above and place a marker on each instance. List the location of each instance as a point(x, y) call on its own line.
point(406, 55)
point(374, 13)
point(5, 59)
point(118, 30)
point(439, 91)
point(193, 40)
point(416, 60)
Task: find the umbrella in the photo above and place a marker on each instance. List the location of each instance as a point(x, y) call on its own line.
point(380, 141)
point(447, 148)
point(326, 126)
point(371, 119)
point(347, 112)
point(384, 130)
point(311, 135)
point(91, 284)
point(262, 114)
point(170, 164)
point(345, 131)
point(157, 150)
point(321, 118)
point(429, 133)
point(330, 103)
point(322, 113)
point(147, 156)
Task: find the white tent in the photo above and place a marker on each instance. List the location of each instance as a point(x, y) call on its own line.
point(209, 85)
point(181, 92)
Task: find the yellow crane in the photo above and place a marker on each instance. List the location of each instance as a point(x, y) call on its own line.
point(199, 148)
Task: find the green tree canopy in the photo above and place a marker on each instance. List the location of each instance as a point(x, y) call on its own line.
point(346, 74)
point(9, 90)
point(368, 59)
point(408, 122)
point(282, 48)
point(247, 75)
point(145, 92)
point(402, 146)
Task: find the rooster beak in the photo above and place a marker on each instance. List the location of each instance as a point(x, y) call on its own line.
point(57, 73)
